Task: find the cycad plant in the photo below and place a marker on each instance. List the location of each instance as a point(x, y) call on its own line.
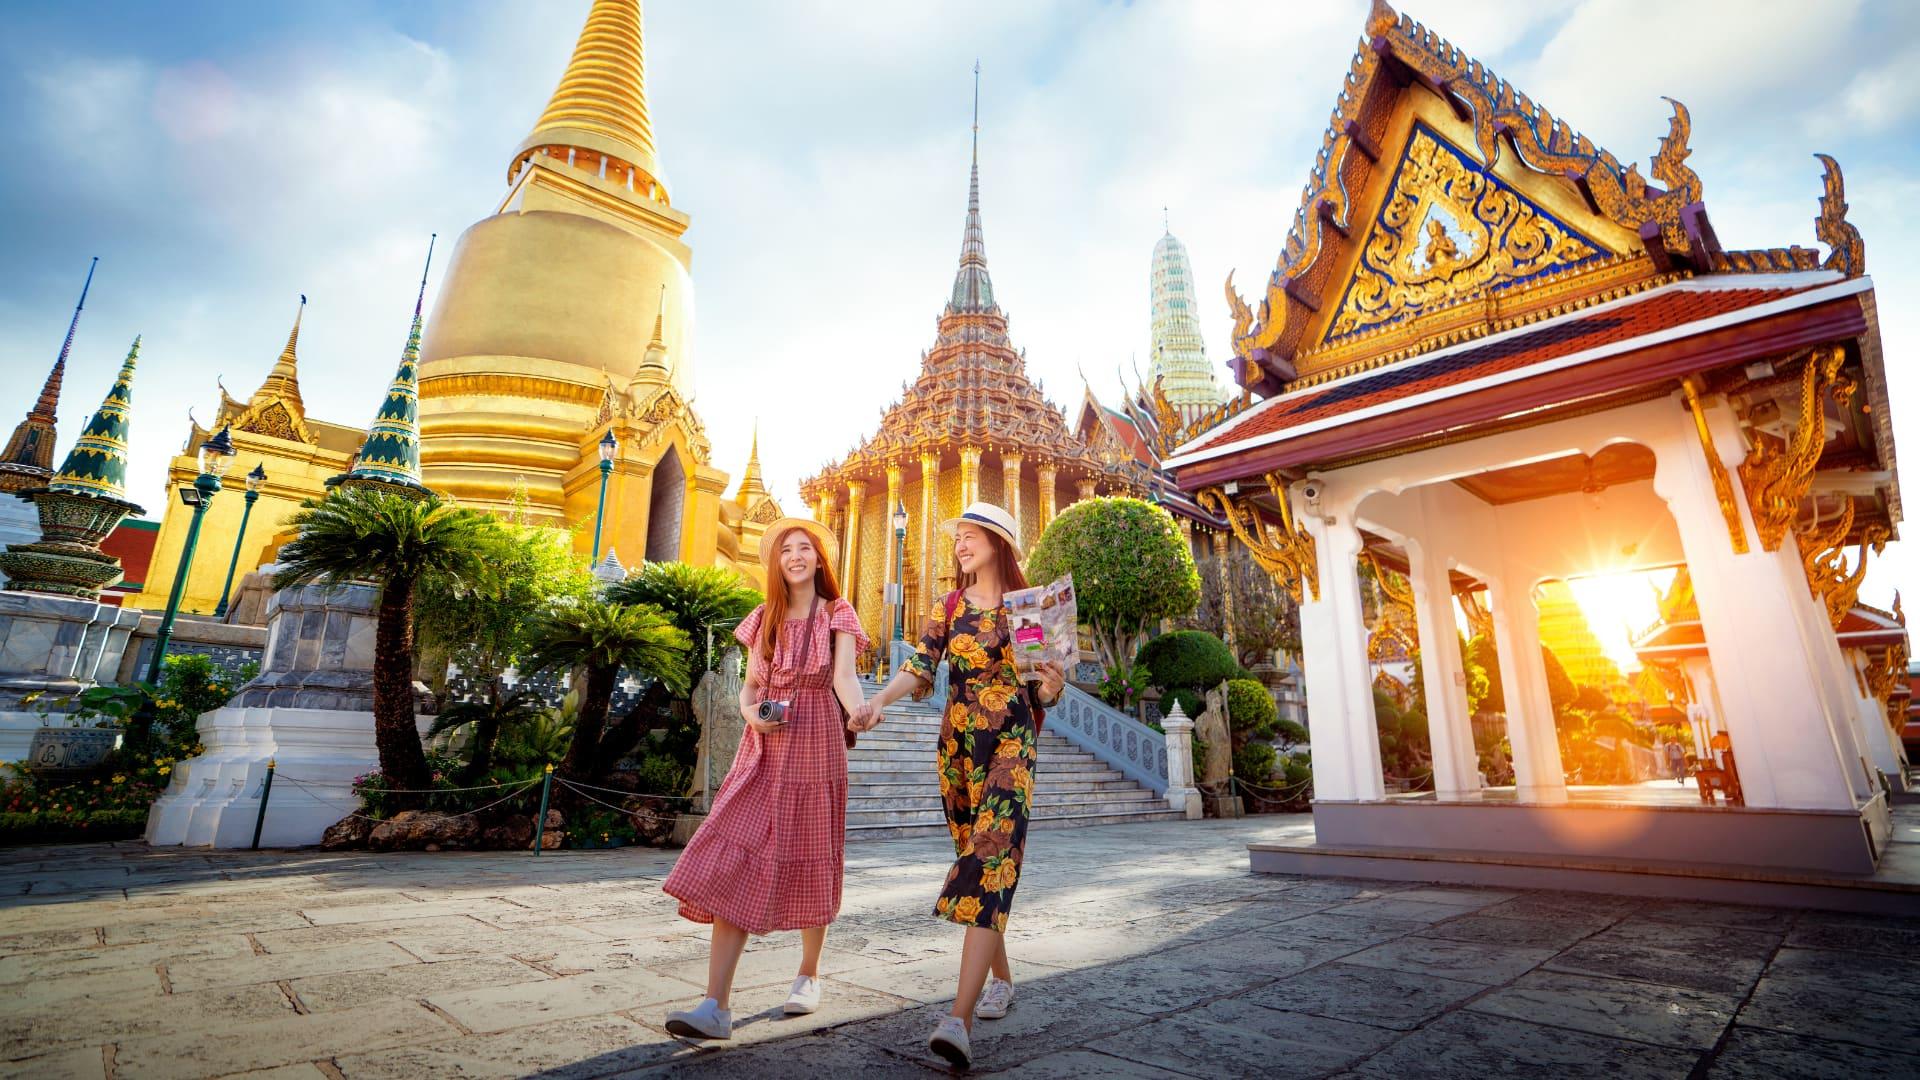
point(706, 602)
point(392, 541)
point(597, 638)
point(488, 717)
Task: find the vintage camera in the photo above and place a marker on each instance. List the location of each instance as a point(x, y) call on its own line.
point(772, 712)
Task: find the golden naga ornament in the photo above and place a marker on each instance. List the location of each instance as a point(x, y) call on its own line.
point(1778, 473)
point(1824, 557)
point(1285, 551)
point(1395, 634)
point(1717, 469)
point(1474, 605)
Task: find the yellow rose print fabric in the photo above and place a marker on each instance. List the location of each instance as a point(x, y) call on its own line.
point(986, 760)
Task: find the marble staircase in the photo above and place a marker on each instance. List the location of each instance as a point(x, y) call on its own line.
point(892, 789)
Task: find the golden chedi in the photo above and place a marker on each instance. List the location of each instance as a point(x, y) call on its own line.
point(566, 314)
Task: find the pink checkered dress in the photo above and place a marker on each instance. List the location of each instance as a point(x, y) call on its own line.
point(771, 852)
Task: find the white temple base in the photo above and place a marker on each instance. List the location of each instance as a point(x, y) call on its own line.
point(214, 800)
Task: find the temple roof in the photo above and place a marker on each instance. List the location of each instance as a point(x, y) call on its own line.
point(600, 104)
point(1609, 346)
point(973, 389)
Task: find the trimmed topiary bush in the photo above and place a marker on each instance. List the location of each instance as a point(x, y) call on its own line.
point(1251, 711)
point(1188, 660)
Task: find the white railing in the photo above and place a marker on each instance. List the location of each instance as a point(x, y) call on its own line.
point(1136, 750)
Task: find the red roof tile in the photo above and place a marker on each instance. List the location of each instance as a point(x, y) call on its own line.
point(1655, 311)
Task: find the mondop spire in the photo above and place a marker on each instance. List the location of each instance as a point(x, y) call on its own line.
point(972, 288)
point(1178, 356)
point(27, 460)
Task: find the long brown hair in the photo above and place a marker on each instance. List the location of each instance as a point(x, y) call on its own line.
point(775, 615)
point(1011, 576)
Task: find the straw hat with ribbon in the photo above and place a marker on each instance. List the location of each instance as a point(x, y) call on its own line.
point(987, 516)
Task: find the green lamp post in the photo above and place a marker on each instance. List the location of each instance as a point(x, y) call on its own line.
point(900, 571)
point(215, 455)
point(608, 447)
point(254, 479)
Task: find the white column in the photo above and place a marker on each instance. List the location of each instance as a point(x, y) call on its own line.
point(1181, 794)
point(1456, 771)
point(1780, 698)
point(1870, 715)
point(1333, 635)
point(1538, 773)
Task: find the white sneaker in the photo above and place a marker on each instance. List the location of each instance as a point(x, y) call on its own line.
point(805, 997)
point(949, 1040)
point(995, 1000)
point(706, 1020)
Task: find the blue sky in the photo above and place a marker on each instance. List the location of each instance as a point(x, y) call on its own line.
point(224, 158)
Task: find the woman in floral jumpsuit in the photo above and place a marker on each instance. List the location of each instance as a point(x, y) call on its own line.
point(986, 757)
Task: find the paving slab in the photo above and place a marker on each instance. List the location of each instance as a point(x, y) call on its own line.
point(1381, 997)
point(1460, 1046)
point(561, 1050)
point(1466, 961)
point(1664, 1015)
point(1757, 1054)
point(1142, 950)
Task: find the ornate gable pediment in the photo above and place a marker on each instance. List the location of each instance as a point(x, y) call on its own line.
point(1446, 229)
point(1410, 93)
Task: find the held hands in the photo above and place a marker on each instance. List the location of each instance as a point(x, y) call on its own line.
point(863, 719)
point(764, 727)
point(1052, 681)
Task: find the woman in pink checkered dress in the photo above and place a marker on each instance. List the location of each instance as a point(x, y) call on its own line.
point(771, 853)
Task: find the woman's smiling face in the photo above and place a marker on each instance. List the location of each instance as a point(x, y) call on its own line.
point(972, 548)
point(798, 557)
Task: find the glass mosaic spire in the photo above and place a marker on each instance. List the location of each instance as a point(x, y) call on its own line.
point(391, 454)
point(97, 464)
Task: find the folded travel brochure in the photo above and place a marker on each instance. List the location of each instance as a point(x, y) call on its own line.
point(1045, 626)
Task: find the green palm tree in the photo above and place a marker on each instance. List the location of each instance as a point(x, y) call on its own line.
point(706, 602)
point(598, 638)
point(392, 541)
point(488, 717)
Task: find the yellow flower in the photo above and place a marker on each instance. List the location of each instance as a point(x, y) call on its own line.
point(119, 778)
point(994, 698)
point(165, 769)
point(1000, 878)
point(966, 649)
point(1023, 781)
point(984, 820)
point(1009, 746)
point(967, 910)
point(1000, 921)
point(974, 787)
point(943, 905)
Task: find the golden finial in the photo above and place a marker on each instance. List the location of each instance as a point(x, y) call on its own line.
point(283, 382)
point(601, 102)
point(653, 365)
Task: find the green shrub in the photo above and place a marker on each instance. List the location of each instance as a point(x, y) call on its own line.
point(1290, 732)
point(663, 774)
point(1251, 711)
point(1190, 702)
point(1188, 660)
point(1131, 568)
point(119, 823)
point(1254, 762)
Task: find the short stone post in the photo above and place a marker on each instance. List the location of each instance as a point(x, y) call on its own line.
point(1181, 794)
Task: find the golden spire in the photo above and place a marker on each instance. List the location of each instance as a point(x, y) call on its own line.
point(601, 102)
point(751, 485)
point(653, 367)
point(283, 382)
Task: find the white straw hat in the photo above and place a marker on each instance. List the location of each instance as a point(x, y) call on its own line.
point(991, 518)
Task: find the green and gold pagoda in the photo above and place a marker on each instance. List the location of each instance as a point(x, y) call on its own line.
point(80, 505)
point(390, 458)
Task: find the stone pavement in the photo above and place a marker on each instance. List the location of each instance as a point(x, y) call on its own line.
point(1139, 950)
